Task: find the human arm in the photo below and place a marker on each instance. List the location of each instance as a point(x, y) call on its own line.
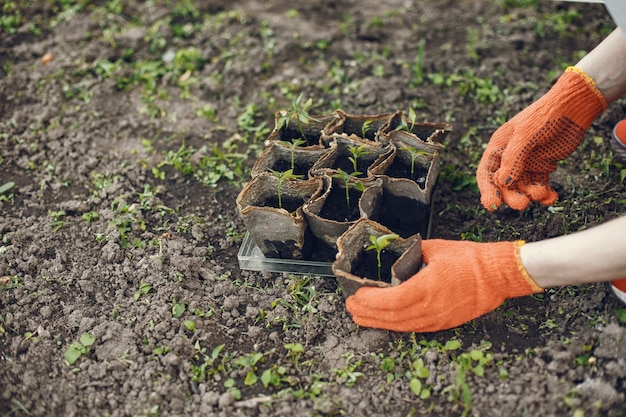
point(606, 65)
point(597, 254)
point(463, 280)
point(521, 154)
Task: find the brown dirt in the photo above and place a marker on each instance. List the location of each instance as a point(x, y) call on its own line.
point(160, 250)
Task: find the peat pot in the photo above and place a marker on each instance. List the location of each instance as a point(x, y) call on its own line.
point(279, 230)
point(355, 266)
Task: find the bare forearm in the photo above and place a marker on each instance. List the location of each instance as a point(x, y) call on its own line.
point(594, 255)
point(606, 64)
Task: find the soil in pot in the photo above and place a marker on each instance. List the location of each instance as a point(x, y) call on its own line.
point(341, 156)
point(404, 216)
point(366, 265)
point(278, 157)
point(336, 206)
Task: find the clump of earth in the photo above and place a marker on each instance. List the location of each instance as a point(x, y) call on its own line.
point(127, 130)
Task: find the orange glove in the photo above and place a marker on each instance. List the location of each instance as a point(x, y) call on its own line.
point(461, 281)
point(521, 154)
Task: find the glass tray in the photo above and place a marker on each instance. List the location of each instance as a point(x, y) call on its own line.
point(251, 258)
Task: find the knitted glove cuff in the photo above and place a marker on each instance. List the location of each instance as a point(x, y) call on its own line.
point(531, 282)
point(592, 85)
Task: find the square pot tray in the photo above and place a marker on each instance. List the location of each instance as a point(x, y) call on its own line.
point(252, 259)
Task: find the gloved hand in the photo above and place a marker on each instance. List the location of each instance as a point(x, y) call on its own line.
point(521, 154)
point(461, 281)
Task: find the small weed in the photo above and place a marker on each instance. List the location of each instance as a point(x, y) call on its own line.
point(143, 290)
point(57, 219)
point(79, 348)
point(348, 375)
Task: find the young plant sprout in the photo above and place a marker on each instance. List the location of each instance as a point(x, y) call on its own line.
point(281, 177)
point(356, 151)
point(379, 243)
point(298, 111)
point(349, 182)
point(414, 153)
point(292, 146)
point(367, 125)
point(412, 118)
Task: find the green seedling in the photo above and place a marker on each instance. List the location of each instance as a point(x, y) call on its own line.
point(249, 363)
point(209, 364)
point(292, 147)
point(356, 152)
point(412, 117)
point(80, 348)
point(282, 177)
point(379, 243)
point(365, 127)
point(348, 375)
point(143, 290)
point(57, 219)
point(414, 153)
point(299, 112)
point(349, 182)
point(178, 309)
point(419, 373)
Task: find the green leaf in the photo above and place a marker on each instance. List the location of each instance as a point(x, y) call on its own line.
point(178, 310)
point(71, 355)
point(251, 378)
point(621, 315)
point(416, 386)
point(452, 345)
point(425, 394)
point(266, 377)
point(87, 339)
point(190, 325)
point(6, 187)
point(479, 370)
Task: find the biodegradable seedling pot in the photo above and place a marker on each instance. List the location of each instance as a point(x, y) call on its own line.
point(312, 129)
point(399, 205)
point(355, 266)
point(329, 215)
point(426, 132)
point(365, 127)
point(278, 232)
point(278, 157)
point(346, 152)
point(412, 160)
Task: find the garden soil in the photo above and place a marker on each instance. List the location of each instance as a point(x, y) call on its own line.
point(121, 292)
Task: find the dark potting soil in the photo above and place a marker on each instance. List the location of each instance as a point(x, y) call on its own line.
point(336, 207)
point(404, 216)
point(289, 203)
point(300, 167)
point(366, 265)
point(401, 168)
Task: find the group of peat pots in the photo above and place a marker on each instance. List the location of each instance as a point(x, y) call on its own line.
point(354, 190)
